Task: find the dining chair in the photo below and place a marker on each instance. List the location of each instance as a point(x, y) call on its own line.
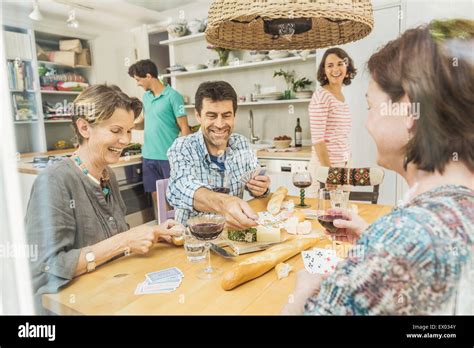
point(353, 177)
point(163, 210)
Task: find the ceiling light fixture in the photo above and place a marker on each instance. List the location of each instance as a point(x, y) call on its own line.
point(72, 21)
point(36, 14)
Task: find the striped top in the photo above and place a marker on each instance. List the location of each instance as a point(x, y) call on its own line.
point(330, 120)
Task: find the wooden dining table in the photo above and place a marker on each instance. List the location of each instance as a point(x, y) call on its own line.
point(110, 289)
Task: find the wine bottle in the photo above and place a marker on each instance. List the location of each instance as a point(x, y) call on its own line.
point(298, 134)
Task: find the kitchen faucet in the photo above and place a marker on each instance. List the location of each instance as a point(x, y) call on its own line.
point(253, 137)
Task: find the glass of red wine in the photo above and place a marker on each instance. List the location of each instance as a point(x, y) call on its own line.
point(207, 227)
point(326, 213)
point(220, 183)
point(302, 180)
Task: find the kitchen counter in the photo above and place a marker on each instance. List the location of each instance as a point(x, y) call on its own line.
point(25, 164)
point(26, 167)
point(303, 155)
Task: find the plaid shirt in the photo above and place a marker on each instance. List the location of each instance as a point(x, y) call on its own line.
point(191, 169)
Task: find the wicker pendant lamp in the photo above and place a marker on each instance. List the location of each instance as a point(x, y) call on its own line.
point(287, 24)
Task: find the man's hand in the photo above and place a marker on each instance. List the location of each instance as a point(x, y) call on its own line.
point(258, 185)
point(238, 213)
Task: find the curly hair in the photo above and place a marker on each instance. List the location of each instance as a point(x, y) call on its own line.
point(351, 70)
point(143, 67)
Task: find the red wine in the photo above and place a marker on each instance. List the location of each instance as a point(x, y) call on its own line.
point(302, 184)
point(206, 230)
point(327, 221)
point(225, 190)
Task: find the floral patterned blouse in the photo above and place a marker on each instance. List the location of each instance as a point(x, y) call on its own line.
point(416, 260)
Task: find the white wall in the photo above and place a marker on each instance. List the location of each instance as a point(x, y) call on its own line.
point(418, 12)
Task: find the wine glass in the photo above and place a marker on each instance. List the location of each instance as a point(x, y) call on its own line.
point(207, 227)
point(302, 180)
point(220, 182)
point(327, 213)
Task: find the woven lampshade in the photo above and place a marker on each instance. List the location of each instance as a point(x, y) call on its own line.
point(287, 24)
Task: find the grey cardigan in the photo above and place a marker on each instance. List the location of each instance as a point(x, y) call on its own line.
point(66, 212)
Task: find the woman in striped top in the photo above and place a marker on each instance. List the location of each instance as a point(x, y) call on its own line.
point(329, 114)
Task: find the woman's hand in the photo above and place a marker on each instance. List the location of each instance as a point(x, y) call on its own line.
point(169, 229)
point(307, 285)
point(140, 239)
point(350, 227)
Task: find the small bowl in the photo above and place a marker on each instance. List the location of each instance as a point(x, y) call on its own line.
point(282, 144)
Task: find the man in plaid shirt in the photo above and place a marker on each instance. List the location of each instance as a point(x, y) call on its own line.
point(214, 159)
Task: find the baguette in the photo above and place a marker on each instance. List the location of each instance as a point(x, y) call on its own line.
point(257, 265)
point(274, 204)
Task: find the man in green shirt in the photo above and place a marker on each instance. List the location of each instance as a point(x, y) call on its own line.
point(164, 117)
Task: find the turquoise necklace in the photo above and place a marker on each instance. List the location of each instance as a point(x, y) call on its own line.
point(104, 180)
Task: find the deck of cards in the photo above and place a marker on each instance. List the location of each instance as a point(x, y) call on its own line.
point(159, 282)
point(320, 261)
point(252, 174)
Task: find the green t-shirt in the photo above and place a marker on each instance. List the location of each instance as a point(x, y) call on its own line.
point(161, 127)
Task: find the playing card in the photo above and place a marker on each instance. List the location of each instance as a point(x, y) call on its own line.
point(141, 290)
point(325, 261)
point(258, 171)
point(308, 260)
point(164, 280)
point(166, 273)
point(161, 286)
point(245, 177)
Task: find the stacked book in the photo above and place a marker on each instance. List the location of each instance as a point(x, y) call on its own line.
point(20, 76)
point(24, 106)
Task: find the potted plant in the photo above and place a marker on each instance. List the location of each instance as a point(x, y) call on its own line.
point(301, 84)
point(289, 77)
point(222, 52)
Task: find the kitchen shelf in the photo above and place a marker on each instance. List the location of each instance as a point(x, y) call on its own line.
point(184, 39)
point(270, 102)
point(25, 122)
point(37, 135)
point(59, 92)
point(242, 66)
point(57, 121)
point(45, 62)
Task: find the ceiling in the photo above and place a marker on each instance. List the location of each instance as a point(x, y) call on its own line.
point(159, 5)
point(95, 16)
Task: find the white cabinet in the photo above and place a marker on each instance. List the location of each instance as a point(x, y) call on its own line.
point(35, 132)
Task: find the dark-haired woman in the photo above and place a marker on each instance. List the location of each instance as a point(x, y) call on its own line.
point(76, 215)
point(329, 115)
point(419, 259)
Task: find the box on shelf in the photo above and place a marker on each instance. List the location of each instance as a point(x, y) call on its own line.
point(84, 58)
point(74, 45)
point(41, 54)
point(62, 57)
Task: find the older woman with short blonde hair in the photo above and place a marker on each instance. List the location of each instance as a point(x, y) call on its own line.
point(76, 214)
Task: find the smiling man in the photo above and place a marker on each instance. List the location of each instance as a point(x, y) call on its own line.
point(213, 159)
point(164, 117)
